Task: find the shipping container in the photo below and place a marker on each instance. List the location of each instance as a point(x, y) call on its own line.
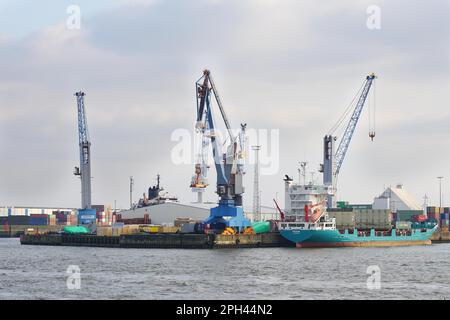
point(38, 221)
point(17, 211)
point(18, 220)
point(373, 218)
point(360, 206)
point(98, 208)
point(342, 204)
point(344, 219)
point(181, 220)
point(35, 215)
point(86, 216)
point(188, 228)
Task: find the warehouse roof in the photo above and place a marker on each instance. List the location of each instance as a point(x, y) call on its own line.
point(407, 199)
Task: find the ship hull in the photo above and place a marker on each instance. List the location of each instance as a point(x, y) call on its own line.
point(334, 238)
point(361, 244)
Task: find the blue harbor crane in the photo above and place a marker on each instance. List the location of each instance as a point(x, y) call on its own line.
point(332, 161)
point(86, 215)
point(229, 165)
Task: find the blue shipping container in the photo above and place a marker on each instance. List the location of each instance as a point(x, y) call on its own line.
point(38, 221)
point(87, 216)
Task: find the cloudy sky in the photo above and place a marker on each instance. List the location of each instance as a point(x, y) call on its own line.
point(284, 65)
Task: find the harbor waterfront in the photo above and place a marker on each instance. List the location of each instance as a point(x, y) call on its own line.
point(40, 272)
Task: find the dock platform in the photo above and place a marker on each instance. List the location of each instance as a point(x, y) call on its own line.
point(160, 240)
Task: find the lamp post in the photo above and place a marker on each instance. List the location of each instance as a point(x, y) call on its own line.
point(440, 193)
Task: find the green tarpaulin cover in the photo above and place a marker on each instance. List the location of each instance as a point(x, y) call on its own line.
point(76, 229)
point(261, 226)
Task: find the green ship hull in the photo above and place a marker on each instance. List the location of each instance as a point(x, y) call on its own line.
point(354, 238)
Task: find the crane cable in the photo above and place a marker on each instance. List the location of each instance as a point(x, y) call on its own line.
point(372, 111)
point(337, 125)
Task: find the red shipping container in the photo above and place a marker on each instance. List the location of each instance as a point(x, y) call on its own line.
point(36, 215)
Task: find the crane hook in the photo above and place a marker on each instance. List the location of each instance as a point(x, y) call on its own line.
point(372, 135)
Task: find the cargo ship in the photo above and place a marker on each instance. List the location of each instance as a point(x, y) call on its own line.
point(323, 233)
point(308, 224)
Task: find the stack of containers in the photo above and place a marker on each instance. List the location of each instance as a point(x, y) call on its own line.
point(433, 214)
point(52, 220)
point(4, 225)
point(394, 216)
point(72, 220)
point(18, 220)
point(107, 218)
point(445, 217)
point(61, 218)
point(38, 220)
point(103, 218)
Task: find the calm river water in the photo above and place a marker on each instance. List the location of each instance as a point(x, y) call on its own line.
point(40, 272)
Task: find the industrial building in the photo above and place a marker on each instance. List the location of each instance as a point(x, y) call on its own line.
point(167, 212)
point(396, 199)
point(26, 211)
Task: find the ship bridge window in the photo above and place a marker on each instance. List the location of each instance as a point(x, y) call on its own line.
point(329, 225)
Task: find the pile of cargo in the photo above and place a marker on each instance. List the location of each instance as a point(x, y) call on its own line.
point(118, 229)
point(181, 220)
point(144, 220)
point(193, 227)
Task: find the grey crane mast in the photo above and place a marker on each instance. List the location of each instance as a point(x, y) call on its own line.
point(84, 170)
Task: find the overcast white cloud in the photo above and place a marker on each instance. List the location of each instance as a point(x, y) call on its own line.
point(288, 65)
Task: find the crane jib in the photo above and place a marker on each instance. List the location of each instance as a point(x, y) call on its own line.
point(346, 138)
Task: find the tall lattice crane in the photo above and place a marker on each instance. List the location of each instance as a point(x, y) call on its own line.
point(229, 165)
point(84, 170)
point(332, 161)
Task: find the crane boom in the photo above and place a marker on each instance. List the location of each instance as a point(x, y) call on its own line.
point(84, 170)
point(222, 110)
point(332, 161)
point(348, 134)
